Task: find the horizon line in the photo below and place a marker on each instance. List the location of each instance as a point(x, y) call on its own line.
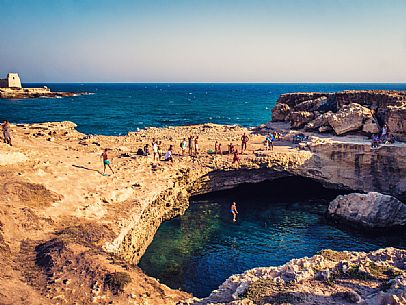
point(150, 82)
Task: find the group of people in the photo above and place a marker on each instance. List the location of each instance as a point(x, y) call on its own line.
point(383, 138)
point(270, 139)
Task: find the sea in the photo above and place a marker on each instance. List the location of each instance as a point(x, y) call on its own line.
point(117, 108)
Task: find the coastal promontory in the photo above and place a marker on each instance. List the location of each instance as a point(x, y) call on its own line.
point(71, 235)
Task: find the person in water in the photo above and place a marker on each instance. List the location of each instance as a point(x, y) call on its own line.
point(6, 132)
point(234, 211)
point(106, 161)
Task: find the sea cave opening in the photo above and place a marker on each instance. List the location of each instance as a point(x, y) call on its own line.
point(278, 220)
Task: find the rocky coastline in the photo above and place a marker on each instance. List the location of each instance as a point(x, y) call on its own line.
point(22, 93)
point(69, 234)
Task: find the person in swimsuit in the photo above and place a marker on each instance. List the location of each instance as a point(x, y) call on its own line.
point(197, 145)
point(190, 139)
point(155, 150)
point(244, 141)
point(183, 146)
point(168, 154)
point(106, 161)
point(236, 158)
point(234, 211)
point(216, 148)
point(6, 132)
point(219, 149)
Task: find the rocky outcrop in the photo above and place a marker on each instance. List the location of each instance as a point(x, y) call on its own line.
point(347, 111)
point(349, 118)
point(372, 210)
point(19, 93)
point(327, 278)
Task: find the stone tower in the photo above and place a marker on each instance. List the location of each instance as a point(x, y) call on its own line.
point(12, 81)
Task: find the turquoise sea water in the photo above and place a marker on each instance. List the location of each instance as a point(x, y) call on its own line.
point(115, 109)
point(277, 221)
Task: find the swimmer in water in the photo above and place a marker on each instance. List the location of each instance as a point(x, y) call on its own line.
point(234, 211)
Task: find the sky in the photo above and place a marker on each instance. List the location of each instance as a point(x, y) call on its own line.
point(204, 41)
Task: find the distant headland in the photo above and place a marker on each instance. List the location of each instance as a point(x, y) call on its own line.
point(11, 88)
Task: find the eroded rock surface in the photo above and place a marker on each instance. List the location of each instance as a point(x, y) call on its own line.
point(56, 205)
point(372, 210)
point(327, 278)
point(347, 111)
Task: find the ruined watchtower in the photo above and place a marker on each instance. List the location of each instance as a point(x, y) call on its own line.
point(12, 81)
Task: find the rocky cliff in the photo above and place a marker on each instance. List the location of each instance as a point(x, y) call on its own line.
point(343, 112)
point(69, 233)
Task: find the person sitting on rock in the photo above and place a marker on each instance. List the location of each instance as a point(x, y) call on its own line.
point(375, 141)
point(146, 149)
point(168, 154)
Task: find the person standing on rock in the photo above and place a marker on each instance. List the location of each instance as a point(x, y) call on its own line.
point(219, 149)
point(190, 140)
point(216, 148)
point(197, 145)
point(244, 141)
point(106, 161)
point(183, 146)
point(236, 158)
point(234, 211)
point(6, 132)
point(155, 150)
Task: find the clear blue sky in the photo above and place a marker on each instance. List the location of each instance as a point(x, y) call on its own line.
point(204, 41)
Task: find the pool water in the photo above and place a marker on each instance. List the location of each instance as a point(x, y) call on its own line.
point(199, 250)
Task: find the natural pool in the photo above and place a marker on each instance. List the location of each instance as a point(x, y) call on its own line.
point(277, 221)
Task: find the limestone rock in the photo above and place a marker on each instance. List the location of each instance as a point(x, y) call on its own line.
point(396, 121)
point(300, 118)
point(349, 118)
point(319, 121)
point(311, 105)
point(370, 126)
point(372, 210)
point(280, 112)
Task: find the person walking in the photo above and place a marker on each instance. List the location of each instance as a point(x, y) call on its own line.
point(106, 161)
point(6, 132)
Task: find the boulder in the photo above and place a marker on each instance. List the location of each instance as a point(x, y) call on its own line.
point(325, 129)
point(280, 112)
point(370, 126)
point(319, 121)
point(311, 105)
point(299, 119)
point(349, 118)
point(396, 121)
point(372, 210)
